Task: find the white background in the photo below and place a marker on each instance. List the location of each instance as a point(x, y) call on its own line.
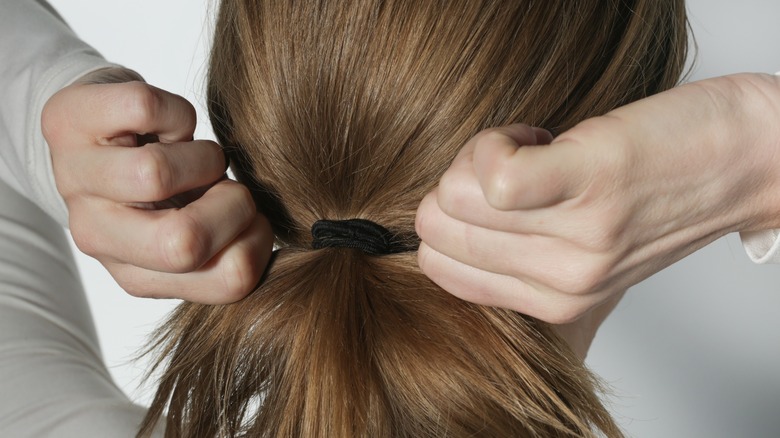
point(694, 351)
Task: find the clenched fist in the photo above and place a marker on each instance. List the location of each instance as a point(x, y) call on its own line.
point(559, 228)
point(145, 199)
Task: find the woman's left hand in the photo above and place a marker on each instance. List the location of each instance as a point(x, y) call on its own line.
point(558, 231)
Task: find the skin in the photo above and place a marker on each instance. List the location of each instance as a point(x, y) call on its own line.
point(122, 161)
point(560, 231)
point(557, 231)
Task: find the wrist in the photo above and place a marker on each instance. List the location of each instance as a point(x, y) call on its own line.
point(754, 131)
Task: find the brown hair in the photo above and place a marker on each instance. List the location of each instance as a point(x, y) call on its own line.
point(336, 111)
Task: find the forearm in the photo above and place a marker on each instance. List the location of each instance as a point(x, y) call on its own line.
point(40, 56)
point(764, 100)
point(751, 130)
point(607, 203)
point(763, 245)
point(755, 130)
point(701, 162)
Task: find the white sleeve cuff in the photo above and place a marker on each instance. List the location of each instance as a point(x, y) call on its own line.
point(762, 246)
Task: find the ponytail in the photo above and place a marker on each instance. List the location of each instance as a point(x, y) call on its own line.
point(334, 112)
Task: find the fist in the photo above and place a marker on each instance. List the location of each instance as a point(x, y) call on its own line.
point(145, 199)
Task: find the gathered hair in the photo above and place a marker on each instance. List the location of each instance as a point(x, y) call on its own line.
point(339, 110)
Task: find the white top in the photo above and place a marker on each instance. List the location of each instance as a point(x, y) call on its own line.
point(762, 246)
point(53, 382)
point(40, 55)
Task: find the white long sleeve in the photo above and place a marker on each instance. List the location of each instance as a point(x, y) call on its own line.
point(39, 55)
point(762, 246)
point(53, 382)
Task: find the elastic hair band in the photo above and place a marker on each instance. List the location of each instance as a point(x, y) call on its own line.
point(365, 235)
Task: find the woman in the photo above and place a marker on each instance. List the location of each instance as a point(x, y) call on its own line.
point(340, 120)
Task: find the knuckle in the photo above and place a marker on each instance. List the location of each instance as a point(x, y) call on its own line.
point(141, 103)
point(132, 285)
point(498, 186)
point(450, 197)
point(424, 260)
point(134, 290)
point(52, 121)
point(475, 249)
point(602, 238)
point(183, 244)
point(583, 278)
point(153, 174)
point(240, 273)
point(423, 223)
point(486, 294)
point(566, 313)
point(84, 238)
point(607, 136)
point(499, 189)
point(86, 245)
point(138, 289)
point(490, 136)
point(434, 266)
point(582, 133)
point(190, 119)
point(245, 200)
point(66, 185)
point(601, 231)
point(594, 131)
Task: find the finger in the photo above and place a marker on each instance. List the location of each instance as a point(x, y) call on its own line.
point(512, 136)
point(228, 277)
point(490, 289)
point(543, 136)
point(538, 260)
point(150, 173)
point(460, 196)
point(116, 110)
point(509, 137)
point(528, 177)
point(173, 240)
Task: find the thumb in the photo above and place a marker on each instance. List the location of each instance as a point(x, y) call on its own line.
point(517, 176)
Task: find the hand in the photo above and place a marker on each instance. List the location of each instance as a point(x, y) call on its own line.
point(558, 231)
point(211, 250)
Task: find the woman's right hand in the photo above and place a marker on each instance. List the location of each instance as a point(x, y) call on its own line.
point(212, 250)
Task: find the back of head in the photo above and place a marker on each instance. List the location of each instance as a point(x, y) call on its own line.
point(335, 111)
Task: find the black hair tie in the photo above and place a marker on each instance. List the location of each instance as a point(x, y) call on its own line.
point(365, 235)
